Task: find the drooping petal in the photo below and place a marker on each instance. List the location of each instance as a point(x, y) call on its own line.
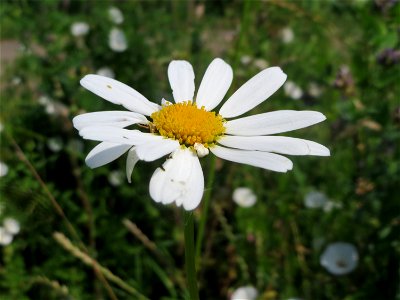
point(181, 79)
point(278, 144)
point(156, 149)
point(265, 160)
point(131, 161)
point(273, 122)
point(117, 135)
point(119, 93)
point(215, 84)
point(179, 180)
point(109, 118)
point(105, 153)
point(253, 92)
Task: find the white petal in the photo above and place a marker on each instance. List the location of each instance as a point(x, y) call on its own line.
point(181, 79)
point(278, 144)
point(131, 161)
point(156, 149)
point(116, 135)
point(263, 160)
point(253, 92)
point(215, 84)
point(119, 93)
point(109, 118)
point(105, 153)
point(179, 180)
point(273, 122)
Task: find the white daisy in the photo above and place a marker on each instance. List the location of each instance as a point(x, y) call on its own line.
point(5, 237)
point(115, 15)
point(245, 293)
point(189, 129)
point(11, 225)
point(117, 40)
point(244, 197)
point(339, 258)
point(79, 29)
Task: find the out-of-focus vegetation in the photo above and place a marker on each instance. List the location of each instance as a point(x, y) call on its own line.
point(342, 58)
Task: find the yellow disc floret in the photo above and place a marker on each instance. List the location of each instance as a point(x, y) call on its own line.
point(188, 124)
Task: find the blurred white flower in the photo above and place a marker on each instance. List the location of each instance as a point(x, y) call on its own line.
point(260, 63)
point(314, 90)
point(339, 258)
point(315, 200)
point(11, 225)
point(79, 29)
point(117, 40)
point(115, 15)
point(1, 127)
point(330, 205)
point(3, 169)
point(245, 59)
point(292, 90)
point(105, 71)
point(287, 35)
point(53, 107)
point(5, 237)
point(55, 144)
point(244, 197)
point(16, 80)
point(116, 178)
point(245, 293)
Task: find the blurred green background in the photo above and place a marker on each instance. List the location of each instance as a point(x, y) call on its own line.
point(342, 59)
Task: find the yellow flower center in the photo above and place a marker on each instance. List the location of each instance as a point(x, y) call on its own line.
point(188, 124)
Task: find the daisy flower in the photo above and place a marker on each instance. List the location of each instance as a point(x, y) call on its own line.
point(191, 128)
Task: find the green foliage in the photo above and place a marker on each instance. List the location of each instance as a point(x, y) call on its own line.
point(337, 46)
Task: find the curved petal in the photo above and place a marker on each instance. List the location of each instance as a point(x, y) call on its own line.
point(156, 149)
point(179, 180)
point(131, 161)
point(265, 160)
point(273, 122)
point(278, 144)
point(108, 118)
point(117, 135)
point(105, 153)
point(181, 79)
point(215, 84)
point(253, 92)
point(118, 93)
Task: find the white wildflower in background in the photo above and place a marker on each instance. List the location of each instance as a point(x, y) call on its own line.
point(315, 199)
point(16, 80)
point(245, 59)
point(79, 29)
point(117, 40)
point(116, 178)
point(105, 71)
point(55, 144)
point(3, 169)
point(5, 237)
point(115, 15)
point(189, 129)
point(292, 90)
point(11, 225)
point(260, 63)
point(245, 293)
point(331, 205)
point(314, 90)
point(1, 127)
point(244, 197)
point(287, 35)
point(339, 258)
point(53, 107)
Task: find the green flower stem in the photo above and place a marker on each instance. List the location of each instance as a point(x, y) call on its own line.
point(206, 205)
point(189, 256)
